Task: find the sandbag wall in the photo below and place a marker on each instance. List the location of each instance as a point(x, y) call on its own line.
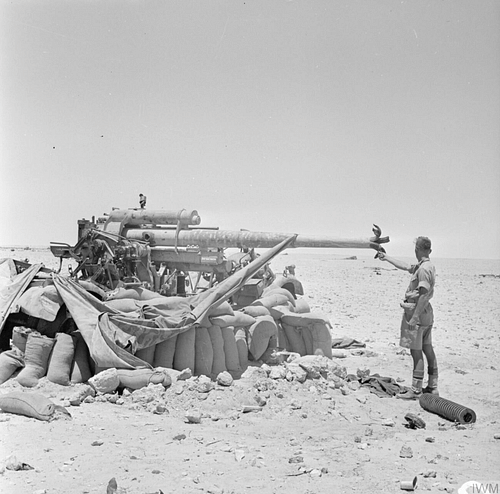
point(63, 358)
point(229, 339)
point(226, 341)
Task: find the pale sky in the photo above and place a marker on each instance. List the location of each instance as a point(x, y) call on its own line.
point(317, 117)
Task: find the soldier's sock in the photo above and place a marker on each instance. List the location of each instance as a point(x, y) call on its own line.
point(433, 379)
point(417, 380)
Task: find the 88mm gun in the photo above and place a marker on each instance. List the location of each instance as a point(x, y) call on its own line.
point(161, 250)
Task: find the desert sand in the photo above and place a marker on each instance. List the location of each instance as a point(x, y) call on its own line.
point(307, 438)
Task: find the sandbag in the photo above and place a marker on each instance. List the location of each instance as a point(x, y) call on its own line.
point(321, 339)
point(294, 338)
point(289, 282)
point(164, 353)
point(278, 311)
point(242, 347)
point(280, 291)
point(81, 370)
point(138, 293)
point(203, 353)
point(271, 300)
point(308, 340)
point(36, 357)
point(230, 350)
point(32, 405)
point(304, 319)
point(41, 302)
point(283, 342)
point(147, 354)
point(259, 334)
point(140, 378)
point(238, 320)
point(219, 358)
point(301, 306)
point(20, 337)
point(223, 309)
point(184, 357)
point(256, 310)
point(61, 358)
point(10, 361)
point(165, 303)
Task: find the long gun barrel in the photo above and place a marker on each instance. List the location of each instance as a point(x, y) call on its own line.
point(142, 225)
point(239, 239)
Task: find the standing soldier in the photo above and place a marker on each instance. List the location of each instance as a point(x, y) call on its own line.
point(142, 201)
point(418, 318)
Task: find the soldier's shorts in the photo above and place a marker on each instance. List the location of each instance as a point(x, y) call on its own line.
point(416, 336)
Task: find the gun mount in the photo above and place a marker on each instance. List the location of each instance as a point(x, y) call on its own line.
point(160, 249)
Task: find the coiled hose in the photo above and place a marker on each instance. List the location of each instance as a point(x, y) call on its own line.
point(447, 409)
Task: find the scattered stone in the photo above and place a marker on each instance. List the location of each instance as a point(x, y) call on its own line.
point(253, 373)
point(278, 372)
point(496, 436)
point(184, 375)
point(179, 437)
point(251, 408)
point(225, 379)
point(193, 416)
point(159, 409)
point(430, 474)
point(239, 454)
point(204, 385)
point(430, 439)
point(296, 459)
point(260, 401)
point(315, 473)
point(97, 443)
point(406, 452)
point(178, 388)
point(113, 398)
point(388, 423)
point(296, 373)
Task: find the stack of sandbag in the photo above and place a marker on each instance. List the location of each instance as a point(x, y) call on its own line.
point(298, 329)
point(215, 346)
point(62, 359)
point(306, 333)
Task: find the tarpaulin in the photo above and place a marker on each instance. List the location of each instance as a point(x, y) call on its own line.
point(13, 286)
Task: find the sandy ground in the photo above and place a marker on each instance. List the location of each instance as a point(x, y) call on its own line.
point(308, 438)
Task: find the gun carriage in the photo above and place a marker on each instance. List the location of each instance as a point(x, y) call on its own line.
point(168, 252)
